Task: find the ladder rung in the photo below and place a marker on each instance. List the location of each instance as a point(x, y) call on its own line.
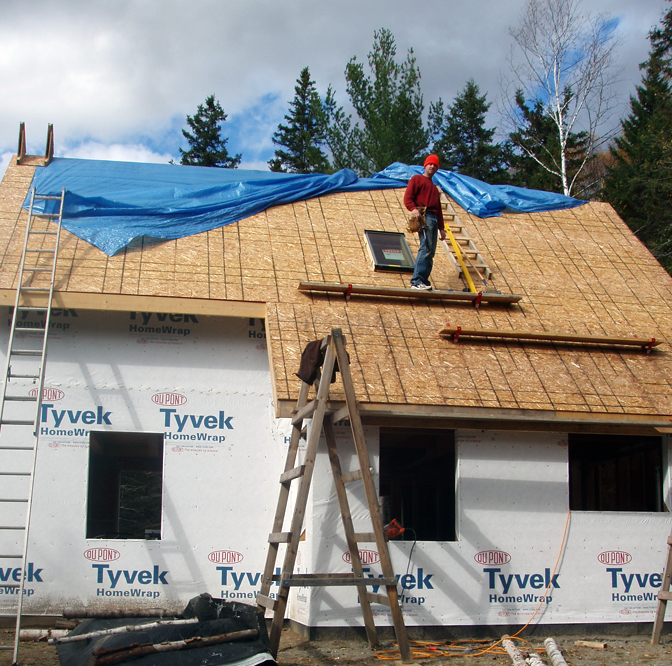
point(30, 268)
point(31, 308)
point(266, 602)
point(26, 352)
point(279, 537)
point(292, 474)
point(10, 557)
point(47, 197)
point(16, 448)
point(305, 412)
point(34, 288)
point(332, 580)
point(352, 476)
point(5, 648)
point(382, 599)
point(5, 499)
point(44, 216)
point(340, 414)
point(21, 398)
point(16, 422)
point(365, 537)
point(43, 233)
point(30, 249)
point(11, 527)
point(12, 375)
point(664, 595)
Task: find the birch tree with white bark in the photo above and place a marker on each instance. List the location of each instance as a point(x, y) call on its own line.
point(562, 64)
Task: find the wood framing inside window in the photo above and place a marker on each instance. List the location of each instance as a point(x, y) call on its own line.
point(615, 473)
point(125, 485)
point(417, 482)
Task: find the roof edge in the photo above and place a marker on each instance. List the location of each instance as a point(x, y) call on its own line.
point(137, 303)
point(480, 418)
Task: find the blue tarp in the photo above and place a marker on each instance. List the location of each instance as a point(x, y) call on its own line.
point(108, 204)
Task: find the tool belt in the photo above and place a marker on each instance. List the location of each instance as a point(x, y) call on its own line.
point(416, 224)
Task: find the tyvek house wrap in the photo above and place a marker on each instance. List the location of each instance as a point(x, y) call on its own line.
point(221, 448)
point(516, 553)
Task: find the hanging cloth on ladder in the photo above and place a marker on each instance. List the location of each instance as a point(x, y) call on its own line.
point(312, 359)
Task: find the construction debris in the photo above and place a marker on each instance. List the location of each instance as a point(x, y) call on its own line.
point(209, 629)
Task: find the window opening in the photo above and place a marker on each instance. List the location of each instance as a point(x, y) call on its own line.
point(125, 485)
point(417, 482)
point(615, 473)
point(389, 251)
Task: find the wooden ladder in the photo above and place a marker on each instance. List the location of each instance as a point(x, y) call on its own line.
point(664, 595)
point(323, 419)
point(468, 248)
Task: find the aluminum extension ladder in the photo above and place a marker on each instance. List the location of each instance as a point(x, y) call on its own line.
point(324, 416)
point(21, 398)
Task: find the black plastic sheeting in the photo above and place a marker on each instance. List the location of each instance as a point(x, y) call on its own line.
point(215, 617)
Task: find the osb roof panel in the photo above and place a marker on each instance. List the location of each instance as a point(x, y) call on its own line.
point(579, 271)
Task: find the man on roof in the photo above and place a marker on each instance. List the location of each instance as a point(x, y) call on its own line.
point(421, 192)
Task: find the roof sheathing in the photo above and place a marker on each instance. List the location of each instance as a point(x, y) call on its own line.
point(579, 271)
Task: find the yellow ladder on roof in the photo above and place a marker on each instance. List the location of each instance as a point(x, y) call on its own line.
point(323, 419)
point(463, 249)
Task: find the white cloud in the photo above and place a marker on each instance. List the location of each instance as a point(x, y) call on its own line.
point(4, 162)
point(116, 152)
point(120, 72)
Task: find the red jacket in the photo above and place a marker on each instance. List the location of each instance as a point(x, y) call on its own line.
point(421, 191)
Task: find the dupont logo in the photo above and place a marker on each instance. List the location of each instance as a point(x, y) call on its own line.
point(366, 556)
point(170, 399)
point(225, 557)
point(102, 554)
point(48, 394)
point(492, 557)
point(614, 557)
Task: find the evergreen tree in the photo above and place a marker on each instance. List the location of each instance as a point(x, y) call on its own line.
point(206, 145)
point(462, 141)
point(389, 105)
point(639, 184)
point(535, 153)
point(303, 134)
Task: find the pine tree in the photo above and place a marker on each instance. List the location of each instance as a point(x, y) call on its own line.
point(462, 140)
point(535, 150)
point(303, 134)
point(639, 184)
point(389, 105)
point(206, 145)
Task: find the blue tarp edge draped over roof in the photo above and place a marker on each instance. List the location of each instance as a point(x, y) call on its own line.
point(108, 204)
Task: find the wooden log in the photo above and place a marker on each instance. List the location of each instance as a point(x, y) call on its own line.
point(135, 651)
point(120, 630)
point(513, 652)
point(553, 652)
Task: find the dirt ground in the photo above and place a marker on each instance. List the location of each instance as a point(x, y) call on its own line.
point(296, 651)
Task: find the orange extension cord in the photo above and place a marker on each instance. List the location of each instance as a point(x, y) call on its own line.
point(471, 648)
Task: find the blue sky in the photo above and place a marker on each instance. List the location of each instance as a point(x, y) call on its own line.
point(118, 77)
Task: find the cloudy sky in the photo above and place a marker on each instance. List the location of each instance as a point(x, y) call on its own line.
point(118, 77)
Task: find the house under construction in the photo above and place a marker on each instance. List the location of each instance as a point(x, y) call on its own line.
point(518, 430)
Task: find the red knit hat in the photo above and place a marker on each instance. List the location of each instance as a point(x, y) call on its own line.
point(432, 159)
